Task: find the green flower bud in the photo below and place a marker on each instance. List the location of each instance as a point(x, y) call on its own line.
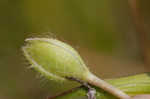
point(56, 60)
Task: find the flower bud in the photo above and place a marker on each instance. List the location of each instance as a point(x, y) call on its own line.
point(54, 59)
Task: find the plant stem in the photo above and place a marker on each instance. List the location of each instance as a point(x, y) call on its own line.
point(66, 92)
point(140, 29)
point(93, 80)
point(132, 85)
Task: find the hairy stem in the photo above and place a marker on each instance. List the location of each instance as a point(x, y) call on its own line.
point(132, 85)
point(92, 79)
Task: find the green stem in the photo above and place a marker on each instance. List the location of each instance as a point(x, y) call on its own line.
point(132, 85)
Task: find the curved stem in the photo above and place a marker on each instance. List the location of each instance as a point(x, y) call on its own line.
point(132, 85)
point(93, 80)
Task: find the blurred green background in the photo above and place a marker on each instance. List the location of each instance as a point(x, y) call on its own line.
point(101, 30)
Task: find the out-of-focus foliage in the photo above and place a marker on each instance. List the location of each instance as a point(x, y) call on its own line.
point(102, 29)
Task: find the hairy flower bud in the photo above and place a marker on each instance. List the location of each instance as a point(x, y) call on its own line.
point(54, 59)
